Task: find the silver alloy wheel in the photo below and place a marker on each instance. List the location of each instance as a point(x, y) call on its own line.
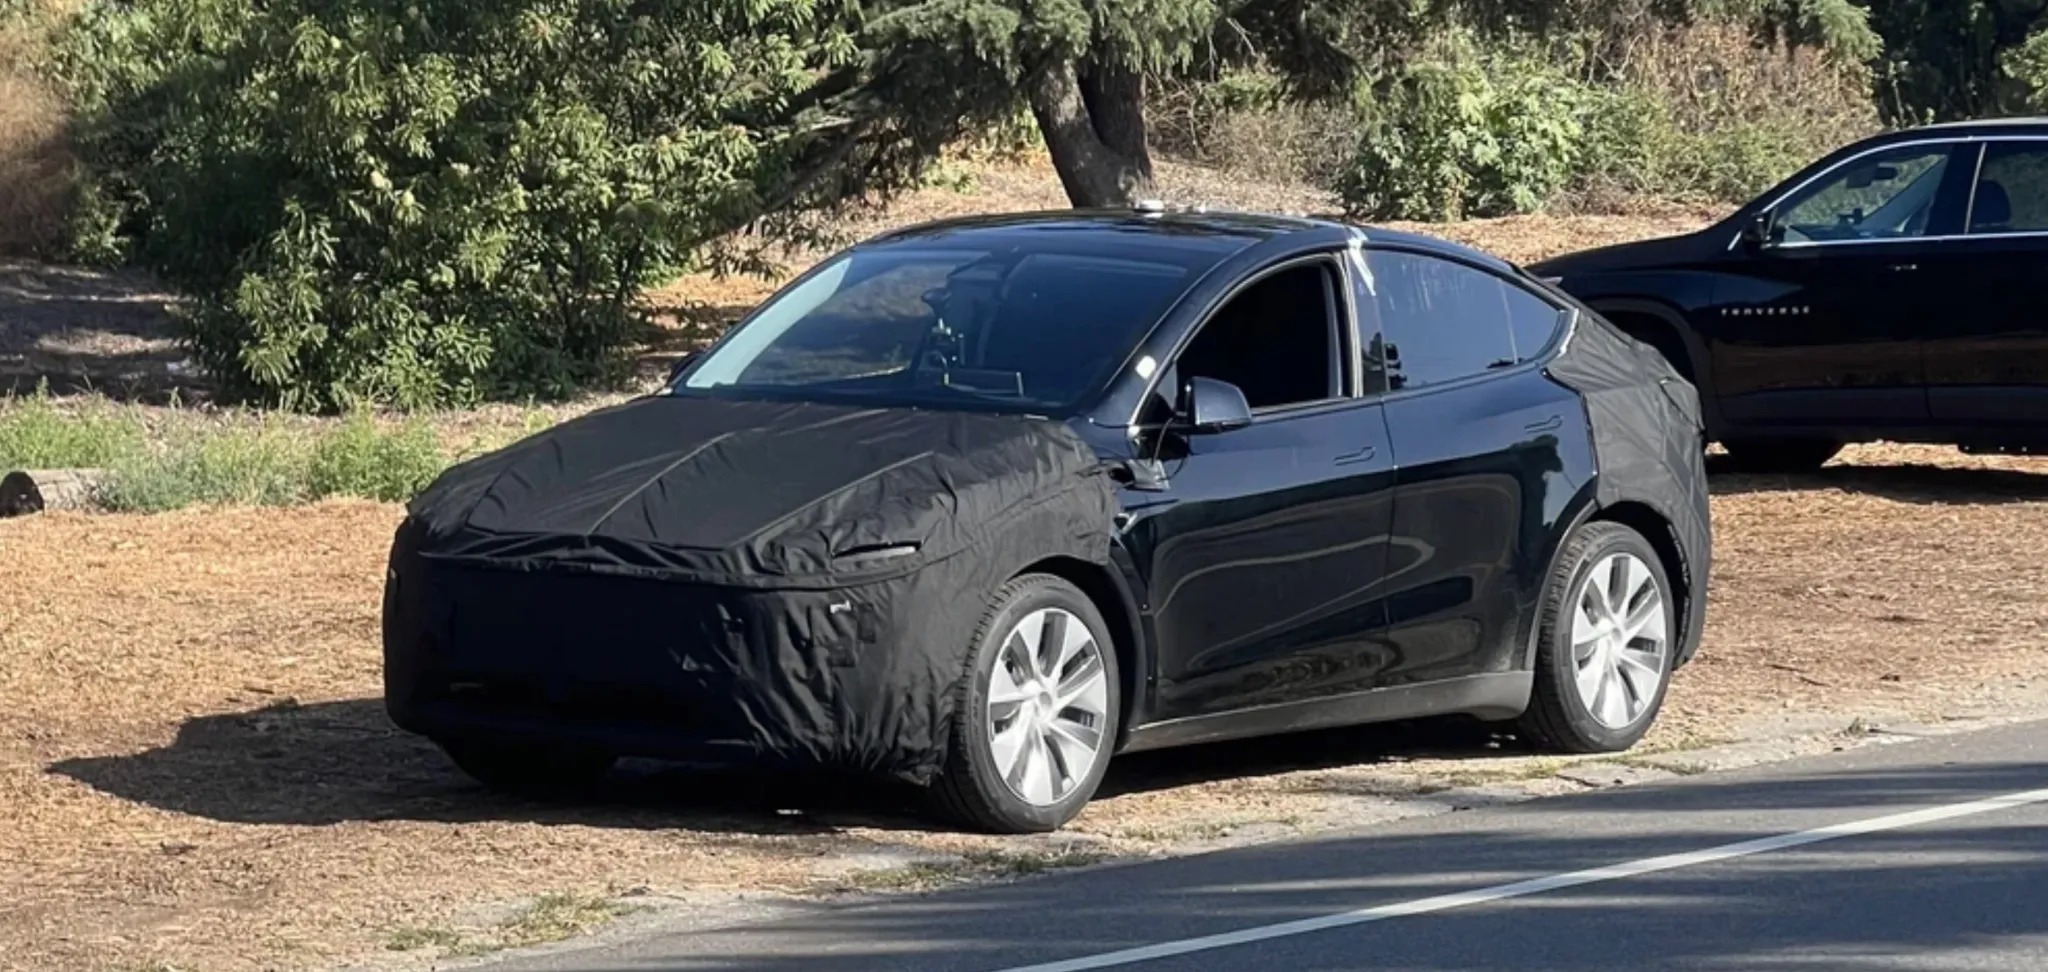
point(1620, 638)
point(1048, 701)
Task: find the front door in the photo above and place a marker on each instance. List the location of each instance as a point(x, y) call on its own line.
point(1820, 326)
point(1262, 556)
point(1986, 329)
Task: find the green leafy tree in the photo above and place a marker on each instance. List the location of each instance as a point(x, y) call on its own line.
point(430, 201)
point(935, 69)
point(1955, 59)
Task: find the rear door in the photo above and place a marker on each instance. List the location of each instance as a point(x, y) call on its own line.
point(1986, 327)
point(1823, 330)
point(1486, 456)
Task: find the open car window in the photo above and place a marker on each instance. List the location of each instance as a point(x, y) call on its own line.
point(1886, 195)
point(1025, 329)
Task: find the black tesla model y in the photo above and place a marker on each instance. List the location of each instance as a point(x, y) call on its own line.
point(979, 504)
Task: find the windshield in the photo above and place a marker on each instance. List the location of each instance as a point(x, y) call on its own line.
point(1028, 330)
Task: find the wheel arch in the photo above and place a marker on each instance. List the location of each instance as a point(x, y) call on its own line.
point(1666, 328)
point(1643, 519)
point(1655, 528)
point(1120, 612)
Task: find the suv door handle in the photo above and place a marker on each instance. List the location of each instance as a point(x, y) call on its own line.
point(1550, 424)
point(1904, 267)
point(1362, 455)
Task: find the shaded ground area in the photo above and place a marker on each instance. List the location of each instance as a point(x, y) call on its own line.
point(195, 769)
point(83, 330)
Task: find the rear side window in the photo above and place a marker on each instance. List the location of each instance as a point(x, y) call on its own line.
point(2012, 190)
point(1444, 321)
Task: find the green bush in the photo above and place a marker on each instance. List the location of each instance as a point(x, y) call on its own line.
point(272, 463)
point(359, 459)
point(261, 465)
point(35, 434)
point(428, 201)
point(1703, 112)
point(1465, 136)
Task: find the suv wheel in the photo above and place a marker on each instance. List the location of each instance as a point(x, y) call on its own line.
point(1780, 455)
point(1037, 711)
point(1607, 638)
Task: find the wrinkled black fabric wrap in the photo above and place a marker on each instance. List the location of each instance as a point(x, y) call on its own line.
point(699, 578)
point(1649, 448)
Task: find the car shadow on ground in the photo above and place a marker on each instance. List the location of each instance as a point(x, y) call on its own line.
point(1915, 483)
point(336, 762)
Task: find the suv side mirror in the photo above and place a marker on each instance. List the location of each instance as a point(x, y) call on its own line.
point(1209, 405)
point(1760, 231)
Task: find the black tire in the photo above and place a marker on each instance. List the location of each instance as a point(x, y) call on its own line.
point(971, 790)
point(529, 769)
point(1780, 455)
point(1558, 717)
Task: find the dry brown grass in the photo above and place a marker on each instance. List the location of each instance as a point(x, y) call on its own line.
point(195, 770)
point(35, 156)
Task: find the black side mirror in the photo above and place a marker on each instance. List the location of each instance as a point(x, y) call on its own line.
point(1209, 405)
point(676, 370)
point(1760, 231)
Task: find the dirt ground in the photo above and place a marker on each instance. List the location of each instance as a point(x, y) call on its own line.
point(195, 772)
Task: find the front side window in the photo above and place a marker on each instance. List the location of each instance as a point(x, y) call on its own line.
point(1885, 195)
point(1277, 340)
point(1444, 321)
point(1025, 330)
point(2012, 189)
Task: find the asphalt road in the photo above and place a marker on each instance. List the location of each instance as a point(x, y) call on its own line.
point(1923, 855)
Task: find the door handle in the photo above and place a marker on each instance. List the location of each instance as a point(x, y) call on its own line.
point(1362, 455)
point(1550, 424)
point(1904, 267)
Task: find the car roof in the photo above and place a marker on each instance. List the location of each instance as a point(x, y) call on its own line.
point(1995, 126)
point(1212, 233)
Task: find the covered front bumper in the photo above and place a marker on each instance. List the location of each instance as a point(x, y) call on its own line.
point(856, 678)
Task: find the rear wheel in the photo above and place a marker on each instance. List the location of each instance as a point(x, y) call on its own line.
point(528, 768)
point(1037, 712)
point(1607, 640)
point(1780, 455)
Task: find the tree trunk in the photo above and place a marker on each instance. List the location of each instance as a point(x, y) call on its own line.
point(35, 490)
point(1115, 98)
point(1096, 134)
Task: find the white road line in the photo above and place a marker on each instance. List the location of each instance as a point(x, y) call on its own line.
point(1519, 889)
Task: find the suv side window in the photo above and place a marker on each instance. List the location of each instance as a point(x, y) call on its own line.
point(1445, 321)
point(2012, 189)
point(1882, 196)
point(1280, 340)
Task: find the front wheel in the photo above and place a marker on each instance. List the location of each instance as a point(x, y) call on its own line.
point(1607, 638)
point(1037, 711)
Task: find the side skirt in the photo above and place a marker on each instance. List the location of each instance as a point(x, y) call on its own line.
point(1502, 695)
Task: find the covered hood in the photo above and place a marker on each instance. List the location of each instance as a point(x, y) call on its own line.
point(751, 492)
point(1641, 255)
